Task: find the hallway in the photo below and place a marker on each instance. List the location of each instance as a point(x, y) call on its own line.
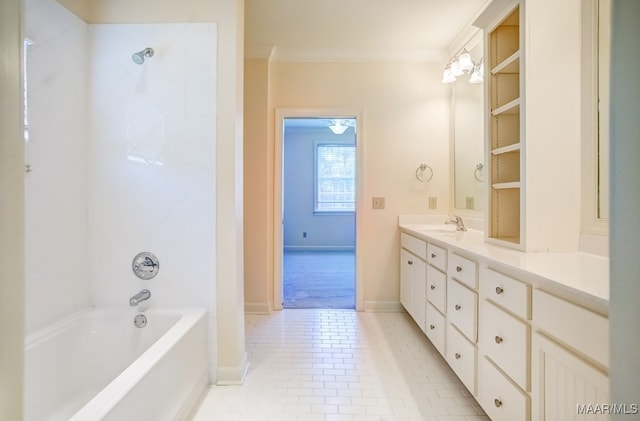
point(340, 365)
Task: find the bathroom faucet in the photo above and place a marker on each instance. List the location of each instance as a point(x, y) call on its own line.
point(143, 295)
point(459, 223)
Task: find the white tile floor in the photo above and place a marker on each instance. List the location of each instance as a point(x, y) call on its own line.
point(340, 365)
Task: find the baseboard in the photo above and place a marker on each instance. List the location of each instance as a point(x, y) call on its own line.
point(383, 307)
point(228, 376)
point(258, 308)
point(319, 248)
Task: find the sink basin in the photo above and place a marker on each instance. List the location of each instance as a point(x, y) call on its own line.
point(437, 228)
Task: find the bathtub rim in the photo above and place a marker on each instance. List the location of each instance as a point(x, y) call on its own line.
point(107, 398)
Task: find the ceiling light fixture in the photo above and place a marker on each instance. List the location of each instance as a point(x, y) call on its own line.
point(462, 64)
point(338, 126)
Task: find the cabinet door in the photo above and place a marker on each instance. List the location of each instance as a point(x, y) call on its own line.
point(406, 279)
point(419, 292)
point(563, 384)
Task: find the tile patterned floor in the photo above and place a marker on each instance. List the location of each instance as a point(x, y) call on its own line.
point(340, 365)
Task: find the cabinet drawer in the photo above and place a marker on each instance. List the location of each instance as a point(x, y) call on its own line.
point(435, 328)
point(414, 245)
point(462, 357)
point(437, 256)
point(462, 309)
point(581, 329)
point(500, 399)
point(464, 270)
point(437, 288)
point(505, 340)
point(507, 292)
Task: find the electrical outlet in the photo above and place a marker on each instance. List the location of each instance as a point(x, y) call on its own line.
point(433, 202)
point(469, 202)
point(378, 203)
point(304, 234)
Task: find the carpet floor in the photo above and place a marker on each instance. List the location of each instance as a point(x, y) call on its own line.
point(319, 279)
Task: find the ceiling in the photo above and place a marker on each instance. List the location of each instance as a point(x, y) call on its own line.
point(356, 29)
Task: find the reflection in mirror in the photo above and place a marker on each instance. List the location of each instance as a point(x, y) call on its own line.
point(604, 41)
point(468, 141)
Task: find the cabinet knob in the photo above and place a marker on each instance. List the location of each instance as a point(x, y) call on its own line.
point(432, 287)
point(499, 290)
point(458, 268)
point(410, 262)
point(457, 307)
point(432, 327)
point(433, 255)
point(458, 356)
point(497, 402)
point(498, 339)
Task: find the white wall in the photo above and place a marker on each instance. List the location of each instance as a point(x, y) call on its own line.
point(152, 161)
point(323, 231)
point(56, 252)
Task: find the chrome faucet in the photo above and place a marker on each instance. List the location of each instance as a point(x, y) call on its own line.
point(143, 295)
point(459, 223)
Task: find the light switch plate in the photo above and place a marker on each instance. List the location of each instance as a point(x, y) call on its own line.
point(433, 202)
point(378, 203)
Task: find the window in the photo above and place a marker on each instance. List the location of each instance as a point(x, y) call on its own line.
point(335, 178)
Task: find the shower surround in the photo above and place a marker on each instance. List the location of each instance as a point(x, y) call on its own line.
point(123, 159)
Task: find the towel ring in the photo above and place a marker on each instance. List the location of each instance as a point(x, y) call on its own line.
point(420, 173)
point(479, 168)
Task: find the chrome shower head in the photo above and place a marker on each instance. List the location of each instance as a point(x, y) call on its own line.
point(138, 58)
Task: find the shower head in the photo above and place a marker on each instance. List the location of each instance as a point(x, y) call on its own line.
point(138, 58)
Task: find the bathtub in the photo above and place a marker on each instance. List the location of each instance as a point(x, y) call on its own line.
point(96, 365)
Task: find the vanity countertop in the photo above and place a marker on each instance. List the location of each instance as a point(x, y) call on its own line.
point(580, 277)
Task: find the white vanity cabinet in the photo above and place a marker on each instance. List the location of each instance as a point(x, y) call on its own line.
point(525, 345)
point(413, 278)
point(504, 342)
point(570, 352)
point(462, 317)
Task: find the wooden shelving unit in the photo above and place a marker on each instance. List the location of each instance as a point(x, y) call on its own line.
point(504, 143)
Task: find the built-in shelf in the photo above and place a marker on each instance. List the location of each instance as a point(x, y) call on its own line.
point(510, 65)
point(510, 185)
point(506, 149)
point(512, 107)
point(505, 137)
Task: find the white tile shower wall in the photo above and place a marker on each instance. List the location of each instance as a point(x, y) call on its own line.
point(152, 163)
point(56, 244)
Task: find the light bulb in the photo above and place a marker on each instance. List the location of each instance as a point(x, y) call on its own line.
point(464, 61)
point(447, 76)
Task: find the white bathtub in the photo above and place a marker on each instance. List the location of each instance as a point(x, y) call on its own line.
point(97, 365)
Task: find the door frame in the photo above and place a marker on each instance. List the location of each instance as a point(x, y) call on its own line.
point(278, 222)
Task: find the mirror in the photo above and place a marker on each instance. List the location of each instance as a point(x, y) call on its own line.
point(468, 141)
point(604, 42)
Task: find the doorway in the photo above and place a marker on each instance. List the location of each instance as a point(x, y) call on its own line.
point(317, 196)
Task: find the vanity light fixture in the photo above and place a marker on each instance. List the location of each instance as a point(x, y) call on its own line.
point(462, 64)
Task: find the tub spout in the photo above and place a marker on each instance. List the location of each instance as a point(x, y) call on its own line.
point(143, 295)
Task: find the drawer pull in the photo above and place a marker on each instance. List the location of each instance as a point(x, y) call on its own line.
point(433, 255)
point(458, 356)
point(497, 403)
point(410, 262)
point(432, 327)
point(457, 307)
point(458, 268)
point(499, 290)
point(498, 339)
point(432, 287)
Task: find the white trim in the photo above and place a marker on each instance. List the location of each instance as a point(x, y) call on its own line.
point(383, 307)
point(229, 376)
point(591, 224)
point(258, 308)
point(319, 248)
point(278, 246)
